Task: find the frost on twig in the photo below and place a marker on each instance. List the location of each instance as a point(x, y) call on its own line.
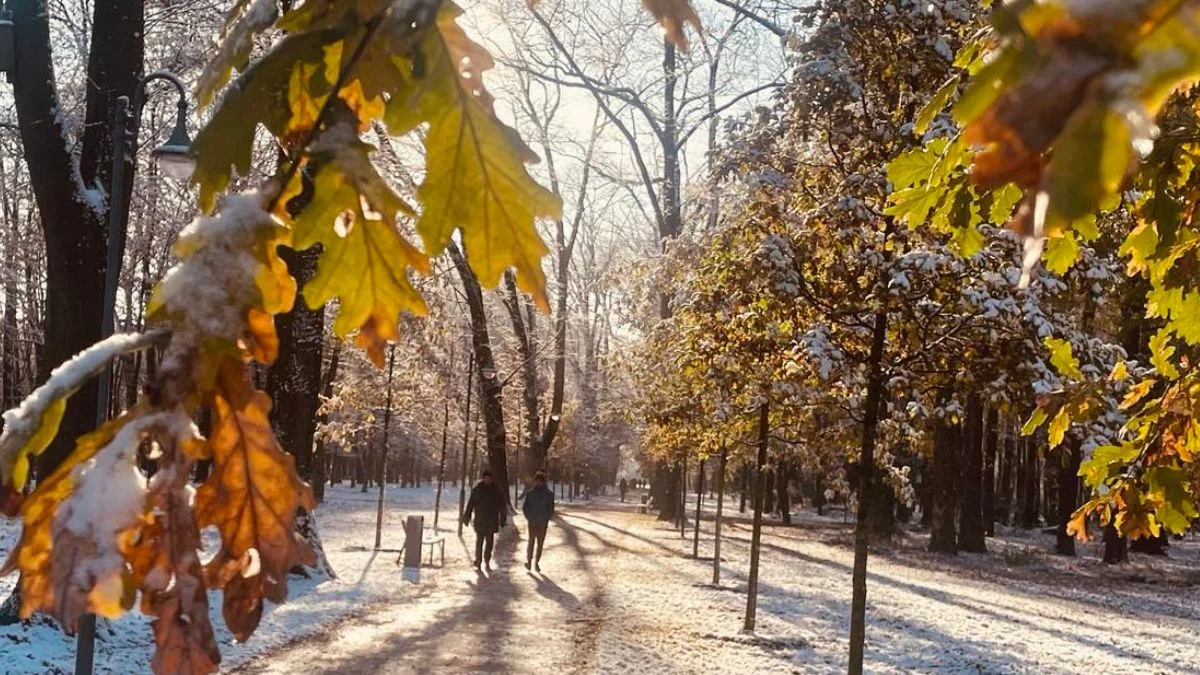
point(22, 423)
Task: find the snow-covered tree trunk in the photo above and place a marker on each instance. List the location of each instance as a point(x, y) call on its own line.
point(490, 389)
point(71, 190)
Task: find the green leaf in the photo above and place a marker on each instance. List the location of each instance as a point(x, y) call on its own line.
point(259, 96)
point(1063, 359)
point(1178, 508)
point(1058, 427)
point(936, 104)
point(1142, 241)
point(992, 80)
point(1061, 253)
point(1004, 200)
point(913, 205)
point(912, 168)
point(1161, 351)
point(1090, 160)
point(1107, 461)
point(1037, 419)
point(475, 177)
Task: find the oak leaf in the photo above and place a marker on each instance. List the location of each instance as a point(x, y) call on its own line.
point(475, 176)
point(251, 497)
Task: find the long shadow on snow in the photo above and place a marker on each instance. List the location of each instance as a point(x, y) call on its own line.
point(480, 629)
point(947, 598)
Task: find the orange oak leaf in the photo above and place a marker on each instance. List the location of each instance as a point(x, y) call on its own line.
point(251, 497)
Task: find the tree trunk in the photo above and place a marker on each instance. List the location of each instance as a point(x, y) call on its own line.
point(1029, 486)
point(441, 479)
point(383, 449)
point(322, 460)
point(490, 399)
point(717, 520)
point(970, 506)
point(696, 525)
point(862, 535)
point(1068, 494)
point(782, 499)
point(72, 195)
point(294, 380)
point(764, 431)
point(946, 441)
point(989, 473)
point(745, 487)
point(462, 486)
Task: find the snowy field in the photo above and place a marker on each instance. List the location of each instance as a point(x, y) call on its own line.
point(620, 593)
point(346, 522)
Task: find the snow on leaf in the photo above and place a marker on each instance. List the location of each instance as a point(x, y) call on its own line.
point(242, 23)
point(30, 427)
point(251, 497)
point(475, 175)
point(35, 555)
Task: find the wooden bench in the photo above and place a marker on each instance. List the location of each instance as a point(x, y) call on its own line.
point(431, 542)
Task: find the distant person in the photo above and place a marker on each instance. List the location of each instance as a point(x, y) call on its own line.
point(538, 509)
point(623, 487)
point(490, 508)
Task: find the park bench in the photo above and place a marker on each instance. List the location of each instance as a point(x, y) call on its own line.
point(429, 540)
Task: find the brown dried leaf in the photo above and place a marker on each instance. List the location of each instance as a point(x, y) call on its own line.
point(674, 15)
point(1020, 126)
point(35, 554)
point(251, 497)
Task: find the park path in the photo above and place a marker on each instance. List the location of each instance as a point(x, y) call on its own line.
point(511, 620)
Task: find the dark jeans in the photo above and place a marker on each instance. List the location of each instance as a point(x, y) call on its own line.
point(537, 535)
point(483, 547)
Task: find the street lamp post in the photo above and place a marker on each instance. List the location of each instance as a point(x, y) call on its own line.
point(175, 161)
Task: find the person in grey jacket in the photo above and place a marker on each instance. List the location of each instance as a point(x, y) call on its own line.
point(538, 509)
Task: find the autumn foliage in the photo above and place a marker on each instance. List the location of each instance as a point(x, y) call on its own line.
point(98, 532)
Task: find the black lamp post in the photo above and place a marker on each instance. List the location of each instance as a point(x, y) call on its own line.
point(175, 161)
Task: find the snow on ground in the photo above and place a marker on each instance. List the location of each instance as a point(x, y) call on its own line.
point(620, 593)
point(346, 522)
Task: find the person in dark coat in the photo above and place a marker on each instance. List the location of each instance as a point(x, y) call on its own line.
point(538, 509)
point(623, 487)
point(489, 507)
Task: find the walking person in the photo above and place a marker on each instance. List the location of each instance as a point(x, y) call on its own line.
point(623, 486)
point(490, 508)
point(538, 509)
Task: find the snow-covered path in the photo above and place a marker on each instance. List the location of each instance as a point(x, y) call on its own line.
point(620, 593)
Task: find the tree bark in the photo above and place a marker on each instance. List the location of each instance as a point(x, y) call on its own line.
point(1068, 494)
point(72, 195)
point(490, 399)
point(717, 520)
point(942, 535)
point(1030, 482)
point(294, 380)
point(989, 472)
point(783, 500)
point(970, 503)
point(764, 431)
point(322, 460)
point(696, 525)
point(862, 535)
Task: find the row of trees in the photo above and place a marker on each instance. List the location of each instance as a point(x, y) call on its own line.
point(853, 321)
